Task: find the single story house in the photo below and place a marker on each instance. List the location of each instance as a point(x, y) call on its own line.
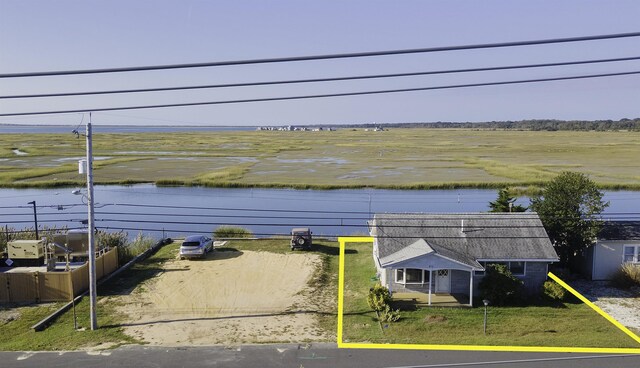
point(618, 242)
point(448, 253)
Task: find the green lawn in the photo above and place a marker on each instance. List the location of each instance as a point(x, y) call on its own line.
point(568, 324)
point(399, 158)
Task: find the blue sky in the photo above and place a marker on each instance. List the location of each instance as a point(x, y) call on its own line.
point(59, 35)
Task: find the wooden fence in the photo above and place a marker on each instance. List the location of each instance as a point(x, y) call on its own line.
point(53, 286)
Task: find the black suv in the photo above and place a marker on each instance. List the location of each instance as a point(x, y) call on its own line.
point(301, 238)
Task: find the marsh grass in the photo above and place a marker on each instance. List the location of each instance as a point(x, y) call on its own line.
point(395, 159)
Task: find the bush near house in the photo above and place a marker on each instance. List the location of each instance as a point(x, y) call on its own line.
point(379, 297)
point(232, 232)
point(389, 315)
point(499, 286)
point(627, 276)
point(554, 291)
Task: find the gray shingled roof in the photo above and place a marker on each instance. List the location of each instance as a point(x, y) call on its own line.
point(422, 248)
point(620, 230)
point(466, 237)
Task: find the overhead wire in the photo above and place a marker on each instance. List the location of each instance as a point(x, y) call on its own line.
point(325, 95)
point(325, 56)
point(245, 209)
point(317, 80)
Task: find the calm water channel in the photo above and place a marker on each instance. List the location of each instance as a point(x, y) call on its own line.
point(179, 211)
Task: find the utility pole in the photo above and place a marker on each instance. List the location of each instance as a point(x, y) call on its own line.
point(35, 218)
point(91, 224)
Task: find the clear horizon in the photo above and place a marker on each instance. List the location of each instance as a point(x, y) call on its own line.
point(43, 36)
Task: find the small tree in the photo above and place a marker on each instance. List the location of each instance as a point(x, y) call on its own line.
point(501, 204)
point(499, 286)
point(569, 207)
point(378, 298)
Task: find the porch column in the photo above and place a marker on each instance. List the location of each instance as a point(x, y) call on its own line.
point(430, 279)
point(471, 288)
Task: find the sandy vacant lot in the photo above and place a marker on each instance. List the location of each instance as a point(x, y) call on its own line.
point(227, 298)
point(623, 305)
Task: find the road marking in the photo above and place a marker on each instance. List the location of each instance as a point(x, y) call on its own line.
point(496, 362)
point(26, 355)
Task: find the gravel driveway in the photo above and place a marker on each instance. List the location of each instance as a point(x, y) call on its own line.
point(623, 305)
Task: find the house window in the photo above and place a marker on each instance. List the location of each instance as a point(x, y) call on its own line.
point(400, 275)
point(411, 276)
point(517, 268)
point(631, 254)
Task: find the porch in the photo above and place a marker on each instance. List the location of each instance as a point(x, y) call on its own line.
point(418, 299)
point(419, 272)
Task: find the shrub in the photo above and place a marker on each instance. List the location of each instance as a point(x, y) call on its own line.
point(378, 298)
point(627, 276)
point(554, 291)
point(499, 286)
point(389, 315)
point(232, 232)
point(111, 240)
point(138, 246)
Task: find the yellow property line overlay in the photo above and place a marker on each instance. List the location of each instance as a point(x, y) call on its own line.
point(538, 349)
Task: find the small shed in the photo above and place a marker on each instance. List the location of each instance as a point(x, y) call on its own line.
point(618, 242)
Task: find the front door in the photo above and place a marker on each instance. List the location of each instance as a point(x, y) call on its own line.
point(443, 281)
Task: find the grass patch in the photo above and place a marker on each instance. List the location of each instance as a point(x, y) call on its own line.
point(627, 276)
point(61, 334)
point(223, 232)
point(542, 324)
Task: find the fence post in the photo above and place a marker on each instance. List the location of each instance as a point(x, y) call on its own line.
point(70, 285)
point(9, 290)
point(36, 282)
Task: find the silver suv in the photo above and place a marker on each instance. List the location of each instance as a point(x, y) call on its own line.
point(196, 246)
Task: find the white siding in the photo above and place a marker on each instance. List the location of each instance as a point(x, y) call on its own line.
point(607, 257)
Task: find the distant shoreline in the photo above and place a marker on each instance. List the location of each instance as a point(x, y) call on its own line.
point(526, 124)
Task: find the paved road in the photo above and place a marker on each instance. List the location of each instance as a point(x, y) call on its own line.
point(306, 356)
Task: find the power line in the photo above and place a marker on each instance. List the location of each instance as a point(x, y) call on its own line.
point(316, 80)
point(323, 235)
point(244, 209)
point(344, 94)
point(617, 216)
point(323, 57)
point(334, 222)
